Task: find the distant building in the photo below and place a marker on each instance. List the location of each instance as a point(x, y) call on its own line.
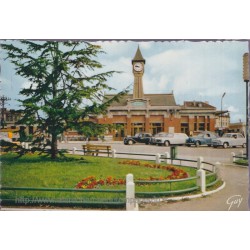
point(239, 127)
point(9, 119)
point(222, 121)
point(154, 113)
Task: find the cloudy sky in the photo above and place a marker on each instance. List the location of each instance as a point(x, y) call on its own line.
point(200, 71)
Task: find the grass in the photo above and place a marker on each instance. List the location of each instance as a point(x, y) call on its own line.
point(41, 172)
point(243, 162)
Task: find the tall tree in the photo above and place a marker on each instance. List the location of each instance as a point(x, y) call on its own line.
point(62, 77)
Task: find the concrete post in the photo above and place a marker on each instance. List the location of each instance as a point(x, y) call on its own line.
point(167, 155)
point(232, 157)
point(23, 144)
point(200, 163)
point(201, 180)
point(26, 145)
point(158, 158)
point(216, 166)
point(201, 174)
point(131, 204)
point(74, 150)
point(113, 153)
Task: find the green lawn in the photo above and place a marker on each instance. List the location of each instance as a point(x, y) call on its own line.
point(41, 172)
point(243, 162)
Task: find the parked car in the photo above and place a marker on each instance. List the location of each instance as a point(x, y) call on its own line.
point(204, 138)
point(138, 138)
point(5, 138)
point(168, 139)
point(153, 138)
point(230, 140)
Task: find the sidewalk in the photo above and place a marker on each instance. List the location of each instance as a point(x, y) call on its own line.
point(234, 197)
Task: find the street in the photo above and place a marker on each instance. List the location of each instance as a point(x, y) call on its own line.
point(209, 154)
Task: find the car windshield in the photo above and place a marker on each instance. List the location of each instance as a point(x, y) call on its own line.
point(200, 135)
point(227, 135)
point(161, 135)
point(169, 135)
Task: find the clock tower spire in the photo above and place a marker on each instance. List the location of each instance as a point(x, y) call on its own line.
point(138, 63)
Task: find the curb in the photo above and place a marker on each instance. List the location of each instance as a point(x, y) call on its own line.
point(97, 142)
point(235, 165)
point(181, 198)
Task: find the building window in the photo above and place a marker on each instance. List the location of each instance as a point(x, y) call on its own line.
point(9, 117)
point(156, 128)
point(137, 128)
point(185, 128)
point(201, 126)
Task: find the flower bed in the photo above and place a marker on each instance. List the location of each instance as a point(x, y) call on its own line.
point(92, 182)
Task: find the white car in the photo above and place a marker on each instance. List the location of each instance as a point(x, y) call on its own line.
point(156, 136)
point(5, 138)
point(230, 140)
point(168, 139)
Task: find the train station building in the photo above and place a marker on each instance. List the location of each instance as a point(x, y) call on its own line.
point(154, 113)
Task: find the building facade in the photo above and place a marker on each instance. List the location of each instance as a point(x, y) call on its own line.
point(154, 113)
point(238, 127)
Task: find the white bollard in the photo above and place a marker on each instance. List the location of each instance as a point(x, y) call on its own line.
point(201, 180)
point(158, 158)
point(131, 204)
point(232, 157)
point(167, 155)
point(74, 150)
point(216, 166)
point(23, 144)
point(200, 163)
point(113, 153)
point(201, 174)
point(26, 145)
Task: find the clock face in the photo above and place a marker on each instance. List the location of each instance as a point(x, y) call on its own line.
point(138, 67)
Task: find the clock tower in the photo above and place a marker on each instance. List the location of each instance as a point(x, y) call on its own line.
point(138, 63)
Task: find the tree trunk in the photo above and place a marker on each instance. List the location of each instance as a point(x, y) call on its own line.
point(54, 150)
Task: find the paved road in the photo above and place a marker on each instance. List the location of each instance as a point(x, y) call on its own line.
point(233, 197)
point(209, 154)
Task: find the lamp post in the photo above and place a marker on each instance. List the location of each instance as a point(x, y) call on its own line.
point(221, 110)
point(246, 80)
point(3, 100)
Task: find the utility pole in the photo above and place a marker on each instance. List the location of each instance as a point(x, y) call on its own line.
point(246, 80)
point(3, 100)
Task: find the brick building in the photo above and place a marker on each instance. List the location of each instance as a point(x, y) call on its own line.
point(156, 113)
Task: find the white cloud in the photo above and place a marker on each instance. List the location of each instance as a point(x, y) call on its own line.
point(145, 45)
point(232, 109)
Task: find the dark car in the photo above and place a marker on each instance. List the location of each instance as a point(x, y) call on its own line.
point(204, 138)
point(138, 138)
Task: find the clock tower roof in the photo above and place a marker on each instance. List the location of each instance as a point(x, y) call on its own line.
point(138, 56)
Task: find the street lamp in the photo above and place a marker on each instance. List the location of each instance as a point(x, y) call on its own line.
point(221, 110)
point(3, 100)
point(246, 80)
